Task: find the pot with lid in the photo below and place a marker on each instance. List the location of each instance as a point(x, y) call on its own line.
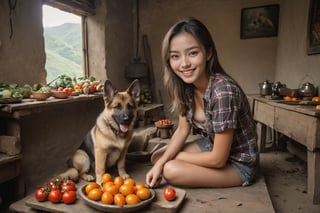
point(265, 88)
point(276, 90)
point(307, 90)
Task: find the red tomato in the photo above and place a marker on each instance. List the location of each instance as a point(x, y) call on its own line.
point(41, 194)
point(69, 197)
point(68, 90)
point(54, 196)
point(68, 185)
point(169, 194)
point(92, 88)
point(53, 185)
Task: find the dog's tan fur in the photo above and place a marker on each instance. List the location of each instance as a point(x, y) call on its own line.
point(111, 136)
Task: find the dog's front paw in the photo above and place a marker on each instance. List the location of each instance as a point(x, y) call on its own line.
point(124, 175)
point(87, 177)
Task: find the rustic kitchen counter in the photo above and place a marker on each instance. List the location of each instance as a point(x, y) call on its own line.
point(298, 121)
point(48, 133)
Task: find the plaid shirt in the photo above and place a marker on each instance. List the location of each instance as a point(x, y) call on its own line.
point(227, 107)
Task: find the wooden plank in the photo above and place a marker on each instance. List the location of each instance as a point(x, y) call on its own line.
point(9, 167)
point(264, 113)
point(300, 127)
point(314, 176)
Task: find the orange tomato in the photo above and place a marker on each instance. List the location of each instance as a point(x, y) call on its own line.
point(106, 185)
point(143, 193)
point(132, 199)
point(287, 98)
point(138, 186)
point(95, 194)
point(106, 177)
point(118, 181)
point(129, 181)
point(126, 189)
point(113, 189)
point(316, 99)
point(90, 186)
point(294, 99)
point(119, 199)
point(107, 198)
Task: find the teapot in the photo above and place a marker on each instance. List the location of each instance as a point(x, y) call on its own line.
point(265, 88)
point(307, 90)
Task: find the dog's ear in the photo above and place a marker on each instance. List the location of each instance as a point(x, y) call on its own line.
point(109, 91)
point(134, 90)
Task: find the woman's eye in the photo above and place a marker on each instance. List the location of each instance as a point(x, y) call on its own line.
point(193, 53)
point(174, 57)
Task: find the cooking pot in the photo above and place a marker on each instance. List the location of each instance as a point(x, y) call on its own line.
point(307, 90)
point(276, 90)
point(265, 88)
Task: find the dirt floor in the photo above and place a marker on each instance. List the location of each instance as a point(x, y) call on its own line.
point(285, 176)
point(286, 179)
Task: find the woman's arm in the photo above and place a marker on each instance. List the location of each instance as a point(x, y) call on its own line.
point(175, 145)
point(177, 140)
point(217, 158)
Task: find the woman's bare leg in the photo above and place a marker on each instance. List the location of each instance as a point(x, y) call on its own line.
point(180, 173)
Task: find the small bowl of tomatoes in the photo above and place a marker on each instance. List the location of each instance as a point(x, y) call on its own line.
point(164, 124)
point(62, 93)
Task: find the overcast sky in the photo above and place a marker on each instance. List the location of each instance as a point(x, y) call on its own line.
point(55, 17)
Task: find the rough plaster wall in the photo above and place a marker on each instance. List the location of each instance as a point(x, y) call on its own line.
point(249, 61)
point(22, 58)
point(294, 66)
point(119, 37)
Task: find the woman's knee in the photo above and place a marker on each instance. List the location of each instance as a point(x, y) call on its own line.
point(171, 170)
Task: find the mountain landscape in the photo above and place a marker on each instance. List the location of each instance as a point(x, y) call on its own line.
point(63, 47)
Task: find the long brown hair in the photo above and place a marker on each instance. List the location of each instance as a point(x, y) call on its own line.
point(179, 91)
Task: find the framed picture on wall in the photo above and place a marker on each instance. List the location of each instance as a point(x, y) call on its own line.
point(257, 22)
point(313, 40)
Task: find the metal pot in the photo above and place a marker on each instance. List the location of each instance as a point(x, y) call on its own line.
point(265, 88)
point(307, 90)
point(276, 90)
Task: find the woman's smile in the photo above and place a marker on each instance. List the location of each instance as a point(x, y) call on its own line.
point(187, 58)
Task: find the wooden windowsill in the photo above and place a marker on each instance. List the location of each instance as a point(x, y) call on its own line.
point(28, 106)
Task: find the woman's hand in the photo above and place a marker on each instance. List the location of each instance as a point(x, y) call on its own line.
point(154, 176)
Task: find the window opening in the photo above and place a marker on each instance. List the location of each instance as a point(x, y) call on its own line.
point(63, 43)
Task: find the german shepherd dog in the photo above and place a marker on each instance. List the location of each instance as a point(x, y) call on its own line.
point(107, 143)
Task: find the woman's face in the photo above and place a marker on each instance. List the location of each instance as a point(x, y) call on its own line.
point(188, 58)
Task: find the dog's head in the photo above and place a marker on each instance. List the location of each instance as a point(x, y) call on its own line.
point(121, 106)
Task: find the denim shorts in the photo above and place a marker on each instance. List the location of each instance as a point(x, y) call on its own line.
point(246, 173)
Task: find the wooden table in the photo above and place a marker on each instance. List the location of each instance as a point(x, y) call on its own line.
point(299, 122)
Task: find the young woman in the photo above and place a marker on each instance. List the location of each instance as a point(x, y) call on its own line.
point(211, 101)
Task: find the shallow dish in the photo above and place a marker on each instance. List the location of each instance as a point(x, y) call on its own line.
point(114, 208)
point(41, 96)
point(60, 94)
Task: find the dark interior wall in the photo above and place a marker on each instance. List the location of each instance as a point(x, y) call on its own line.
point(22, 58)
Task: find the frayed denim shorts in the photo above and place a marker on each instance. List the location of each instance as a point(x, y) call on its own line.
point(246, 173)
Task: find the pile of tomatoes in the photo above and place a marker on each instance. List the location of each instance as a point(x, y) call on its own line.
point(117, 191)
point(163, 122)
point(57, 190)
